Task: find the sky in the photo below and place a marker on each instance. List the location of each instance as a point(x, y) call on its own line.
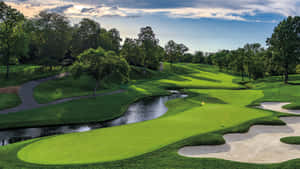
point(206, 25)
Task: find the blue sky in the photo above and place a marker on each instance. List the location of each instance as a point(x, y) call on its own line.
point(207, 25)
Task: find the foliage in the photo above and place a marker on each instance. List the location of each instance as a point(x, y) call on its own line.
point(285, 43)
point(54, 35)
point(86, 35)
point(12, 38)
point(133, 53)
point(100, 64)
point(298, 69)
point(149, 44)
point(174, 51)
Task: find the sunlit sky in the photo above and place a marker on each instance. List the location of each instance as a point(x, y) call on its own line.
point(207, 25)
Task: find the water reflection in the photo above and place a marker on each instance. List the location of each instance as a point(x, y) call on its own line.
point(143, 110)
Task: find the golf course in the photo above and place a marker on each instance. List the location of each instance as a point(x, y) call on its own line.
point(182, 85)
point(215, 105)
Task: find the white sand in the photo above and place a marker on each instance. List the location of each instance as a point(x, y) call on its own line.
point(260, 145)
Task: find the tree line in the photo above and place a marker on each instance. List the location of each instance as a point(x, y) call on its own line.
point(282, 57)
point(50, 40)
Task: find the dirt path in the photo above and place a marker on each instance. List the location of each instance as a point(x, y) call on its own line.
point(260, 145)
point(10, 90)
point(28, 102)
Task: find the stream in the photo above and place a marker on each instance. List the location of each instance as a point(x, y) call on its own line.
point(143, 110)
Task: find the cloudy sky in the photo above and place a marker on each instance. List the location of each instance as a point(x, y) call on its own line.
point(207, 25)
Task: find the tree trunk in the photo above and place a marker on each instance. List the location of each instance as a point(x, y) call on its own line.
point(286, 77)
point(7, 70)
point(286, 74)
point(96, 87)
point(242, 76)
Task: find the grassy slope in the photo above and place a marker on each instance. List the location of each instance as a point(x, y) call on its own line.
point(275, 90)
point(175, 125)
point(167, 157)
point(9, 101)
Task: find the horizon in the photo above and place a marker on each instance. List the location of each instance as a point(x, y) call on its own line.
point(207, 26)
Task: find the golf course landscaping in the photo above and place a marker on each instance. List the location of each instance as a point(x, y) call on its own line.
point(215, 106)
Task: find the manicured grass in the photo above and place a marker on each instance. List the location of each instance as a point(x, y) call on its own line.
point(188, 76)
point(291, 140)
point(148, 136)
point(9, 101)
point(199, 119)
point(97, 109)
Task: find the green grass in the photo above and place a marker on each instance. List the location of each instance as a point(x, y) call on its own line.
point(22, 74)
point(151, 144)
point(291, 140)
point(9, 101)
point(144, 136)
point(188, 76)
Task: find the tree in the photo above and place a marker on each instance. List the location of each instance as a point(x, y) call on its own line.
point(148, 42)
point(86, 35)
point(53, 35)
point(110, 40)
point(298, 69)
point(175, 52)
point(11, 35)
point(251, 51)
point(116, 40)
point(198, 57)
point(285, 42)
point(132, 52)
point(100, 64)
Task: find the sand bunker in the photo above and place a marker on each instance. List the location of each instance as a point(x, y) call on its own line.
point(260, 145)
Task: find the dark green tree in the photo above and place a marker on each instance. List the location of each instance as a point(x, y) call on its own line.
point(133, 53)
point(12, 37)
point(86, 35)
point(53, 36)
point(285, 43)
point(100, 64)
point(148, 42)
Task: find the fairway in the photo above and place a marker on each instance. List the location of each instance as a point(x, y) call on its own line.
point(105, 144)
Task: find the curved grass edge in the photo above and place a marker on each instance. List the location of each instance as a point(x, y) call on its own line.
point(213, 138)
point(291, 140)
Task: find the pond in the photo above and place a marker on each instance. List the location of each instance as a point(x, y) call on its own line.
point(143, 110)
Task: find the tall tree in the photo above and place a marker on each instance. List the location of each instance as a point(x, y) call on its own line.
point(86, 35)
point(132, 52)
point(100, 64)
point(198, 57)
point(149, 44)
point(116, 40)
point(54, 35)
point(285, 42)
point(175, 52)
point(10, 34)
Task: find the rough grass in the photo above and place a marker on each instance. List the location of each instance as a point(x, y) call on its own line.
point(291, 140)
point(9, 101)
point(22, 74)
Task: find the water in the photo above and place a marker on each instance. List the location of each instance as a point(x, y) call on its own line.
point(146, 109)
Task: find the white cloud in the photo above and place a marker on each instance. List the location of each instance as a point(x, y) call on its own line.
point(228, 10)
